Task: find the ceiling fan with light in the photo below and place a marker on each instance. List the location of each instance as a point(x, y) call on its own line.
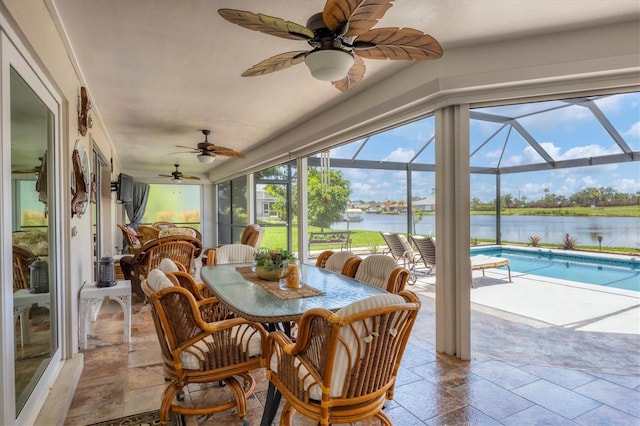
point(177, 176)
point(207, 151)
point(340, 37)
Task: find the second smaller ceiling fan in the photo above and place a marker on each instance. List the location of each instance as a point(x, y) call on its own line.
point(207, 151)
point(177, 175)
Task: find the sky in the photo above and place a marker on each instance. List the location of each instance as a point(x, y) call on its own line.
point(564, 129)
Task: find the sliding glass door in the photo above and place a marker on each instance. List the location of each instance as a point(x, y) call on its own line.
point(29, 235)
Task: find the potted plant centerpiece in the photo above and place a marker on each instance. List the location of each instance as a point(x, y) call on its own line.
point(270, 263)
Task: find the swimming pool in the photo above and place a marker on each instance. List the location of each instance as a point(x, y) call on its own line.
point(617, 272)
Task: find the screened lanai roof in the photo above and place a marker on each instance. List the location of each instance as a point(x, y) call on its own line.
point(544, 135)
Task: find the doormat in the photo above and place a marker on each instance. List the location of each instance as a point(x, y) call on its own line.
point(143, 419)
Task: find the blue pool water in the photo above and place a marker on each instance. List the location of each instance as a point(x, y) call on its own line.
point(611, 272)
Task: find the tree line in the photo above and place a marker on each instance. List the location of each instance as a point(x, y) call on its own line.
point(587, 197)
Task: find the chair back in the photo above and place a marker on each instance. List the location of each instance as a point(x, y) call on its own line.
point(398, 246)
point(382, 271)
point(322, 258)
point(22, 258)
point(348, 360)
point(149, 233)
point(180, 249)
point(231, 253)
point(427, 249)
point(252, 236)
point(132, 238)
point(337, 260)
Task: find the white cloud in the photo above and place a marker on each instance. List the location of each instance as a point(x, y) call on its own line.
point(401, 155)
point(514, 160)
point(629, 186)
point(633, 131)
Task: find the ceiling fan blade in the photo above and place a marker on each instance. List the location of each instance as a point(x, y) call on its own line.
point(229, 153)
point(187, 147)
point(163, 175)
point(276, 63)
point(189, 177)
point(396, 43)
point(267, 24)
point(361, 15)
point(354, 76)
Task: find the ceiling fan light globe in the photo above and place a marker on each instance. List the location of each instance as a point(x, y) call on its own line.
point(206, 159)
point(176, 180)
point(329, 64)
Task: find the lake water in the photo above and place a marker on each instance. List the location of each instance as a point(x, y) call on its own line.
point(615, 231)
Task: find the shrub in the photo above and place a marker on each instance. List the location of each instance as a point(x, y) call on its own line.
point(474, 241)
point(569, 242)
point(374, 246)
point(534, 241)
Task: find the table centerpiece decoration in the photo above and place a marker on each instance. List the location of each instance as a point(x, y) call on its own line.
point(271, 265)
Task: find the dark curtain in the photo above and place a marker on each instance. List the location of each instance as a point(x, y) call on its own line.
point(135, 210)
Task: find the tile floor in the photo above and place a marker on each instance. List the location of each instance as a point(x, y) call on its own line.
point(524, 372)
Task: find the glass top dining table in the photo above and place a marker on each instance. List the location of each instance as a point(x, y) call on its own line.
point(251, 301)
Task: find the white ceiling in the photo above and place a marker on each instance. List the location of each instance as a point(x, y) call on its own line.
point(158, 71)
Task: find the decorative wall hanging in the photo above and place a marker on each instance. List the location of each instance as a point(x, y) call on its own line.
point(84, 119)
point(80, 184)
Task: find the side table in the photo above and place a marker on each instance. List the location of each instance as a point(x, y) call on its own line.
point(23, 300)
point(91, 294)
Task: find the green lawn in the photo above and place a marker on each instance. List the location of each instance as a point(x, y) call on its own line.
point(275, 238)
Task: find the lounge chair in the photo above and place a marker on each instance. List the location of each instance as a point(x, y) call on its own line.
point(427, 249)
point(401, 250)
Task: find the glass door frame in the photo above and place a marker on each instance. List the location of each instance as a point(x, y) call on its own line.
point(12, 57)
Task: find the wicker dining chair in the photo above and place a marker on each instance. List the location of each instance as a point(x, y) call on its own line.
point(195, 350)
point(178, 248)
point(379, 270)
point(334, 261)
point(252, 235)
point(132, 239)
point(343, 366)
point(230, 253)
point(22, 258)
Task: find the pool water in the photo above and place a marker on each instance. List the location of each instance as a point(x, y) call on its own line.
point(599, 270)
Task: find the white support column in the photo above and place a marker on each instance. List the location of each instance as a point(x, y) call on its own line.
point(453, 267)
point(303, 216)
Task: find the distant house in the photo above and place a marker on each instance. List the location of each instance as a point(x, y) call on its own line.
point(426, 204)
point(264, 203)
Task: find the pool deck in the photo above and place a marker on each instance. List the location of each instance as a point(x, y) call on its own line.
point(550, 321)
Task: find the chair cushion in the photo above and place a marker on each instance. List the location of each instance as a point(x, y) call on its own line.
point(133, 235)
point(247, 336)
point(188, 232)
point(342, 360)
point(157, 280)
point(376, 269)
point(168, 265)
point(336, 261)
point(234, 253)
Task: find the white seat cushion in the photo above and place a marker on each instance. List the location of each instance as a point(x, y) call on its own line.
point(177, 231)
point(168, 265)
point(248, 336)
point(376, 270)
point(157, 280)
point(234, 253)
point(336, 261)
